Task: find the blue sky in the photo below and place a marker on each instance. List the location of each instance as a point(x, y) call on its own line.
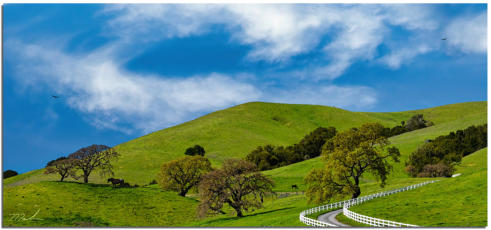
point(123, 71)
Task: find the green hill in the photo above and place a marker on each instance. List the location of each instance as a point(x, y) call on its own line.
point(233, 132)
point(74, 204)
point(236, 131)
point(457, 202)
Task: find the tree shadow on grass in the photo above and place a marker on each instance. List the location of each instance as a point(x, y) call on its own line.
point(80, 183)
point(245, 216)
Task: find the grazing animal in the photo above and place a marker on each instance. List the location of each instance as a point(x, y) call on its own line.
point(294, 186)
point(115, 181)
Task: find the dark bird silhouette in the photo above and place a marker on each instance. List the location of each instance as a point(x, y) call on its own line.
point(444, 39)
point(55, 97)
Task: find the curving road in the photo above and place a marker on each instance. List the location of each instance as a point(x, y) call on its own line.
point(330, 218)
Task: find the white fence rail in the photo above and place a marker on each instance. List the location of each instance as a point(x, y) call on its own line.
point(355, 216)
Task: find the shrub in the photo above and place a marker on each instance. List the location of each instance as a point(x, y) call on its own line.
point(195, 150)
point(446, 149)
point(437, 170)
point(270, 157)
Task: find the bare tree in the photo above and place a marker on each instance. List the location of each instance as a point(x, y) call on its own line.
point(63, 166)
point(238, 184)
point(94, 157)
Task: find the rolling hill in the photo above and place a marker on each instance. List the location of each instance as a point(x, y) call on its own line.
point(232, 132)
point(236, 131)
point(456, 202)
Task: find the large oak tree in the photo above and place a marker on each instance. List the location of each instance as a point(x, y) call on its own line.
point(94, 157)
point(348, 156)
point(183, 174)
point(238, 183)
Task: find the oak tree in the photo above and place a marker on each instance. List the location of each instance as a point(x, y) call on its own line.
point(238, 183)
point(183, 174)
point(63, 166)
point(9, 173)
point(94, 157)
point(348, 156)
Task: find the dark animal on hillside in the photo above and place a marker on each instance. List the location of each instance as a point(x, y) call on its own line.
point(115, 181)
point(294, 186)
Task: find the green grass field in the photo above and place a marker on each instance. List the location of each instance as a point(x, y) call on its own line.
point(456, 202)
point(233, 132)
point(75, 204)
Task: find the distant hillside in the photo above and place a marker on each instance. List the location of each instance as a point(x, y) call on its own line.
point(234, 132)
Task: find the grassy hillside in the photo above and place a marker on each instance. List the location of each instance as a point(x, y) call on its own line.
point(74, 204)
point(459, 201)
point(236, 131)
point(406, 143)
point(241, 127)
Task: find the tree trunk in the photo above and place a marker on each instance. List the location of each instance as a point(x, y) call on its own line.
point(62, 177)
point(86, 177)
point(357, 189)
point(356, 193)
point(239, 212)
point(183, 193)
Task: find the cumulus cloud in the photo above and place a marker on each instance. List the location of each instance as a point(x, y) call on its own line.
point(468, 33)
point(112, 98)
point(278, 32)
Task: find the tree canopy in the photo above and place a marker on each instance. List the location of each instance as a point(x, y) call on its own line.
point(183, 174)
point(195, 150)
point(94, 157)
point(238, 183)
point(438, 157)
point(270, 157)
point(348, 156)
point(63, 166)
point(9, 173)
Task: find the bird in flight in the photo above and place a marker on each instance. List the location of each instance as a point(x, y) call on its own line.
point(55, 97)
point(444, 39)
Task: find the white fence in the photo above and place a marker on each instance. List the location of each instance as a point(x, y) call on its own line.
point(355, 216)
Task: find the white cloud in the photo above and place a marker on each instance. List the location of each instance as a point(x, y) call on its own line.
point(278, 32)
point(411, 16)
point(352, 97)
point(468, 33)
point(113, 98)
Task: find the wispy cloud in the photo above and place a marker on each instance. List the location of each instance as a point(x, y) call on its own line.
point(468, 33)
point(355, 97)
point(113, 98)
point(97, 84)
point(278, 32)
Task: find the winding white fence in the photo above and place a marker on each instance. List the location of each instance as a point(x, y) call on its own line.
point(355, 216)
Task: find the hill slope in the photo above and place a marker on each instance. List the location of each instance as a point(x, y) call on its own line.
point(458, 202)
point(74, 204)
point(234, 132)
point(149, 206)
